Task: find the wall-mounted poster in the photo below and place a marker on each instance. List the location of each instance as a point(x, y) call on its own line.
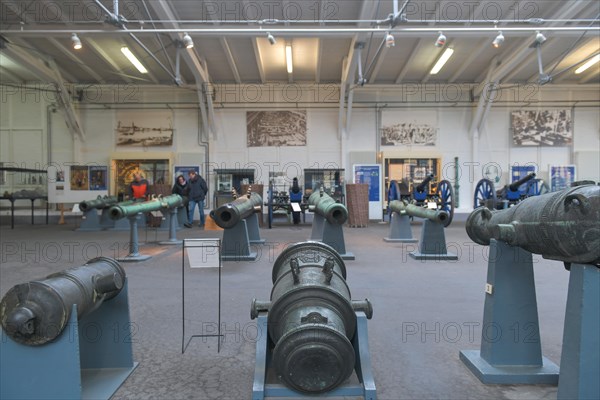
point(542, 127)
point(79, 178)
point(98, 178)
point(407, 128)
point(144, 128)
point(561, 177)
point(371, 175)
point(276, 128)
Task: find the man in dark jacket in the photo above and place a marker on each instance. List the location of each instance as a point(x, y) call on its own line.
point(197, 194)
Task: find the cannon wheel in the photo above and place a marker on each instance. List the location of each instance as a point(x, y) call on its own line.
point(536, 187)
point(446, 199)
point(485, 191)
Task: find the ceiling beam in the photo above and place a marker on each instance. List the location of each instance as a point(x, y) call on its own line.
point(406, 65)
point(18, 11)
point(69, 54)
point(319, 58)
point(5, 73)
point(378, 64)
point(230, 60)
point(96, 48)
point(529, 61)
point(259, 59)
point(591, 75)
point(558, 60)
point(467, 62)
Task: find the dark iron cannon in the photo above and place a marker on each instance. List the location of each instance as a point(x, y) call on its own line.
point(562, 226)
point(230, 214)
point(487, 195)
point(321, 203)
point(311, 318)
point(98, 203)
point(121, 210)
point(403, 208)
point(424, 185)
point(36, 312)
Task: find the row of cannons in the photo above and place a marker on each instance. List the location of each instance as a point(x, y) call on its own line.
point(317, 335)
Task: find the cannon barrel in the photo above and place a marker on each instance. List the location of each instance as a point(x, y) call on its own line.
point(121, 210)
point(562, 226)
point(423, 185)
point(311, 318)
point(36, 312)
point(98, 203)
point(321, 203)
point(230, 214)
point(515, 185)
point(401, 207)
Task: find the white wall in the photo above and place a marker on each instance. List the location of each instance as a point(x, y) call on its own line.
point(23, 135)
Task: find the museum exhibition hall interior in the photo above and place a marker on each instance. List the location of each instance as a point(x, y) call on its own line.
point(252, 199)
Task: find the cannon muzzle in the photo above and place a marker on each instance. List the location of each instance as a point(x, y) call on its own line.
point(123, 210)
point(403, 208)
point(98, 203)
point(421, 187)
point(562, 226)
point(36, 312)
point(230, 214)
point(311, 318)
point(516, 184)
point(321, 203)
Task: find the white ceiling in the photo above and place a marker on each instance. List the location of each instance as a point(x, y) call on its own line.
point(42, 29)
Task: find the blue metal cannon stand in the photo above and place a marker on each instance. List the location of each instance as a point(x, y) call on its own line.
point(432, 245)
point(511, 351)
point(580, 358)
point(328, 233)
point(89, 360)
point(90, 221)
point(236, 243)
point(173, 226)
point(254, 230)
point(134, 245)
point(261, 389)
point(400, 230)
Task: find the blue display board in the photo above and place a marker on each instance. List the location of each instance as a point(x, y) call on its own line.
point(371, 175)
point(561, 177)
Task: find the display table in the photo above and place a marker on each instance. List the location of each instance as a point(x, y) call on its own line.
point(32, 199)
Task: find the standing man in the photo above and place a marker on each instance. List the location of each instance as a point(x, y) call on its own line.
point(197, 194)
point(138, 189)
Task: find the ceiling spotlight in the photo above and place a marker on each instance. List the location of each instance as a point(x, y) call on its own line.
point(499, 40)
point(441, 40)
point(187, 41)
point(271, 38)
point(539, 37)
point(389, 40)
point(76, 41)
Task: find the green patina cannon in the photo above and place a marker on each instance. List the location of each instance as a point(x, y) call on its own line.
point(98, 203)
point(562, 226)
point(311, 318)
point(36, 312)
point(321, 203)
point(122, 210)
point(230, 214)
point(403, 208)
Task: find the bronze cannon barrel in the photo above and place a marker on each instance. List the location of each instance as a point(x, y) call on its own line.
point(311, 318)
point(121, 210)
point(515, 185)
point(230, 214)
point(401, 207)
point(98, 203)
point(562, 226)
point(423, 185)
point(36, 312)
point(321, 203)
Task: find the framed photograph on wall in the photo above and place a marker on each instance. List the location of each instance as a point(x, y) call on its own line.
point(144, 128)
point(98, 178)
point(542, 127)
point(408, 128)
point(79, 179)
point(561, 177)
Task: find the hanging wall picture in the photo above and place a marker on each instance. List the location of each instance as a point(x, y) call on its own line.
point(276, 128)
point(79, 178)
point(144, 128)
point(408, 128)
point(542, 127)
point(98, 178)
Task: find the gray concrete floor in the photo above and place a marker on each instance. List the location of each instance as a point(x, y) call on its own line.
point(442, 300)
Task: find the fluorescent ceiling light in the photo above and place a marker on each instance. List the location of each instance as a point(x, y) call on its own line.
point(288, 58)
point(125, 50)
point(441, 61)
point(588, 64)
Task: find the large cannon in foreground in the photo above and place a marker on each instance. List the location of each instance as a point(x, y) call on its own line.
point(321, 203)
point(402, 207)
point(36, 312)
point(311, 318)
point(230, 214)
point(98, 203)
point(122, 210)
point(562, 226)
